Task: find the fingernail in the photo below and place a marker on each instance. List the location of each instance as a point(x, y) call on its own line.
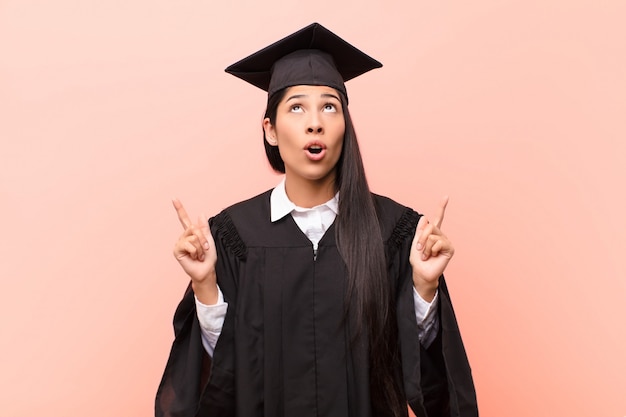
point(206, 245)
point(424, 257)
point(419, 246)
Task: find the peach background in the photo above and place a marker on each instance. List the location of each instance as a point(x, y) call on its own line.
point(513, 108)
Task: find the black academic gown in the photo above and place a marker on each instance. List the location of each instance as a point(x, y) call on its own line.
point(285, 348)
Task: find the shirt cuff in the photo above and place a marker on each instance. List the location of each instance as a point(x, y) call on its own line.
point(426, 318)
point(211, 317)
point(424, 309)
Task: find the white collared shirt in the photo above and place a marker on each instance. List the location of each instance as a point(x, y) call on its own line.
point(313, 222)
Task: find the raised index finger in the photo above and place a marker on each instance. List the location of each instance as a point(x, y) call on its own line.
point(182, 214)
point(442, 212)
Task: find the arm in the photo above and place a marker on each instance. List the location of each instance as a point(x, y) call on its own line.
point(427, 318)
point(431, 252)
point(445, 380)
point(189, 370)
point(196, 253)
point(211, 319)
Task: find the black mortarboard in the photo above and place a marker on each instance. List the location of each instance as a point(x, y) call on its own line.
point(311, 56)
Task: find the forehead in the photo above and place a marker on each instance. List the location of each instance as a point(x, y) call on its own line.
point(310, 91)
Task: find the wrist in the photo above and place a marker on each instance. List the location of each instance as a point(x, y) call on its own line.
point(206, 289)
point(426, 289)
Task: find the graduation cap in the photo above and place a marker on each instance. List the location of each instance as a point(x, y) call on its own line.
point(311, 56)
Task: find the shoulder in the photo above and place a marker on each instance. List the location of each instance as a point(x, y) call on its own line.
point(397, 222)
point(251, 209)
point(255, 207)
point(388, 207)
point(235, 224)
point(393, 215)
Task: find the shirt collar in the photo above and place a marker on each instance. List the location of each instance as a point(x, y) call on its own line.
point(280, 205)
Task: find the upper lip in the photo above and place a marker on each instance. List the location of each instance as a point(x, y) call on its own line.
point(314, 143)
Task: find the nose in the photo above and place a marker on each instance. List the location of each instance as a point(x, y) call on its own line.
point(315, 125)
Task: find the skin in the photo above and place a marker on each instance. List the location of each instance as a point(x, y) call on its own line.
point(195, 251)
point(305, 115)
point(431, 252)
point(309, 114)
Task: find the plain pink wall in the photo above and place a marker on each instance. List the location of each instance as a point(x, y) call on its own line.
point(513, 108)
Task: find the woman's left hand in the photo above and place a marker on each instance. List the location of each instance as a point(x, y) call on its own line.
point(430, 253)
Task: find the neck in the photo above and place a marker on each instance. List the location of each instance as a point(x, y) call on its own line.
point(307, 193)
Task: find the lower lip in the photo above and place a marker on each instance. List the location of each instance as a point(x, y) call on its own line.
point(315, 156)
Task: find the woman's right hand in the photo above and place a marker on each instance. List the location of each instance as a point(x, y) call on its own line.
point(196, 253)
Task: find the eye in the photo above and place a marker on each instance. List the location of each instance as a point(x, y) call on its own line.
point(329, 107)
point(296, 108)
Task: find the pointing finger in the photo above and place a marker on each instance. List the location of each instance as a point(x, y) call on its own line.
point(182, 214)
point(442, 212)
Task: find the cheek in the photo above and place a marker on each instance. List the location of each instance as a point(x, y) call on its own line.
point(340, 149)
point(339, 135)
point(335, 126)
point(285, 133)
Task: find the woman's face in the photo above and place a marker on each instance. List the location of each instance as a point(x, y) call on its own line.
point(308, 131)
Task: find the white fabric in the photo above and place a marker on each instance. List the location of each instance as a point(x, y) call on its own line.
point(426, 317)
point(313, 222)
point(211, 318)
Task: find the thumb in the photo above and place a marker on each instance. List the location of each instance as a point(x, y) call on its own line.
point(205, 229)
point(421, 224)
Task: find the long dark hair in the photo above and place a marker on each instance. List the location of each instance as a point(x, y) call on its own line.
point(360, 244)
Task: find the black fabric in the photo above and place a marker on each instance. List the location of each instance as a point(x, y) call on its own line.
point(285, 348)
point(311, 56)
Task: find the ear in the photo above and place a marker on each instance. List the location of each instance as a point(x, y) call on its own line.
point(270, 132)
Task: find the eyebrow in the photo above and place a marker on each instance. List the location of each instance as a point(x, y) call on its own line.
point(326, 95)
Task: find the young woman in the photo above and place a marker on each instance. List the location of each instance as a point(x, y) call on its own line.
point(316, 298)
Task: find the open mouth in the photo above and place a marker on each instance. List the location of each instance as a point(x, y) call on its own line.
point(315, 149)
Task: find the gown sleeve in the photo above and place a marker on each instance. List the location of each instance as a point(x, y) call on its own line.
point(189, 369)
point(437, 379)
